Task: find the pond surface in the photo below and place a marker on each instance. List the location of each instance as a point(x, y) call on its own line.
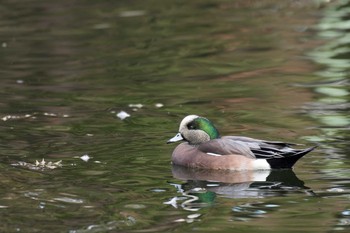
point(276, 70)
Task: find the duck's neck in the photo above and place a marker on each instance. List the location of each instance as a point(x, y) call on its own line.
point(209, 128)
point(213, 133)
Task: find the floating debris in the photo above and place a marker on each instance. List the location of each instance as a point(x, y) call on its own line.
point(51, 165)
point(42, 165)
point(33, 116)
point(20, 81)
point(4, 44)
point(122, 115)
point(85, 157)
point(14, 117)
point(135, 105)
point(49, 114)
point(5, 118)
point(346, 213)
point(336, 190)
point(193, 216)
point(159, 105)
point(69, 200)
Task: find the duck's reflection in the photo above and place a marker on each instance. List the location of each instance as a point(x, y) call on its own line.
point(202, 186)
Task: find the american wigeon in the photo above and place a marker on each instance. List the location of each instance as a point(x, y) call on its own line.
point(205, 148)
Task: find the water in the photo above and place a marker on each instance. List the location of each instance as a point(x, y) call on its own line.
point(267, 69)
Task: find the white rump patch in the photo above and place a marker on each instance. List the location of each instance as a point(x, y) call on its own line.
point(213, 154)
point(261, 164)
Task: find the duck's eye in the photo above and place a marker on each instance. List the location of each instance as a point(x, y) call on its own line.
point(191, 126)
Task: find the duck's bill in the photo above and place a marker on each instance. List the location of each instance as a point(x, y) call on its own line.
point(178, 137)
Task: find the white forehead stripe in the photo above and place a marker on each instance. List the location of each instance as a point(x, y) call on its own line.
point(187, 120)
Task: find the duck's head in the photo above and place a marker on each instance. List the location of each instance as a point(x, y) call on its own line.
point(195, 130)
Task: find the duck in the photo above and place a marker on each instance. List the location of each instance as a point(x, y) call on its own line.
point(202, 147)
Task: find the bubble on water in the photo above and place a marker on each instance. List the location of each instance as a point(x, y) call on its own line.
point(159, 105)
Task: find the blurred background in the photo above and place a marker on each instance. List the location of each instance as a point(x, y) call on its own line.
point(96, 88)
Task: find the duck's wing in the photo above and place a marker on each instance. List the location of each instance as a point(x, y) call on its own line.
point(253, 141)
point(250, 147)
point(227, 146)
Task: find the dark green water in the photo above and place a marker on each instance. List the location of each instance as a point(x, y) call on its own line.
point(268, 69)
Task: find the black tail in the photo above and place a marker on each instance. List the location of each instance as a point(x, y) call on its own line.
point(288, 161)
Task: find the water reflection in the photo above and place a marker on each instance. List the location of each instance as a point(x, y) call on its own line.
point(69, 68)
point(203, 186)
point(332, 107)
